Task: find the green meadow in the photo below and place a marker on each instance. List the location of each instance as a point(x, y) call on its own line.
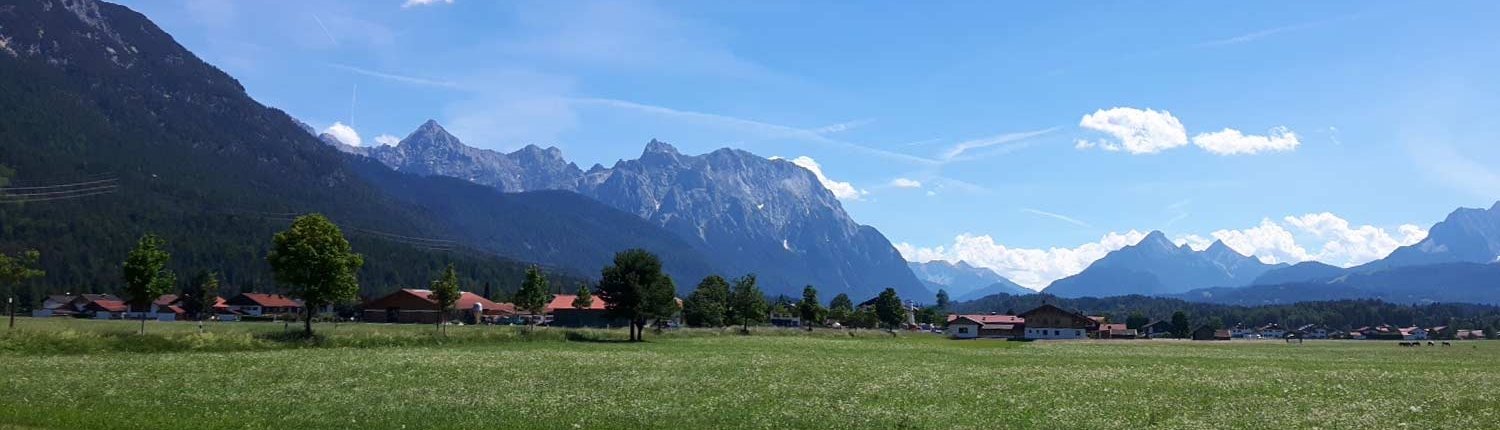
point(100, 375)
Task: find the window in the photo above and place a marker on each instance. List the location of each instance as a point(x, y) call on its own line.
point(1057, 332)
point(963, 330)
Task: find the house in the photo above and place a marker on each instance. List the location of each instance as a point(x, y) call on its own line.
point(416, 306)
point(101, 306)
point(1413, 333)
point(1158, 329)
point(161, 309)
point(1314, 331)
point(1469, 335)
point(260, 304)
point(1270, 331)
point(1206, 332)
point(1240, 331)
point(56, 305)
point(987, 326)
point(1441, 332)
point(1115, 331)
point(1051, 322)
point(963, 327)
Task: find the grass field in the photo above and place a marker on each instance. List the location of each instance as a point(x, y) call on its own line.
point(380, 377)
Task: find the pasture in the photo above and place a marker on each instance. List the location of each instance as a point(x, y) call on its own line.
point(244, 375)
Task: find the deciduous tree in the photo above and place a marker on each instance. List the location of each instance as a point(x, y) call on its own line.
point(202, 295)
point(314, 263)
point(533, 295)
point(749, 303)
point(635, 289)
point(584, 299)
point(146, 274)
point(13, 271)
point(841, 308)
point(708, 305)
point(942, 299)
point(889, 310)
point(809, 309)
point(445, 292)
point(1136, 320)
point(1180, 327)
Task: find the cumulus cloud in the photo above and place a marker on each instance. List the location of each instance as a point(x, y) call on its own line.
point(841, 190)
point(1134, 130)
point(387, 140)
point(1335, 240)
point(415, 3)
point(344, 133)
point(1031, 268)
point(906, 183)
point(1231, 142)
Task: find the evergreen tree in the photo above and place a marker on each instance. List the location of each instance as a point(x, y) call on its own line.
point(314, 262)
point(203, 295)
point(942, 299)
point(15, 270)
point(584, 299)
point(1136, 320)
point(146, 275)
point(445, 292)
point(809, 309)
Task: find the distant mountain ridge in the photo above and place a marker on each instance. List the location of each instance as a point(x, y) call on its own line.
point(1469, 235)
point(749, 214)
point(962, 281)
point(1156, 266)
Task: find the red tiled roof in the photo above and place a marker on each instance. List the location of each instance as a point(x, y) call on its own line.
point(466, 301)
point(990, 319)
point(1112, 327)
point(111, 305)
point(271, 300)
point(565, 301)
point(1097, 319)
point(176, 310)
point(165, 300)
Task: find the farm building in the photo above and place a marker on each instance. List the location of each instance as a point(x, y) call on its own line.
point(1158, 329)
point(563, 314)
point(1115, 331)
point(258, 304)
point(1206, 332)
point(1051, 322)
point(987, 326)
point(415, 306)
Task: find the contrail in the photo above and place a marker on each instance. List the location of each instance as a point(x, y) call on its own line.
point(325, 30)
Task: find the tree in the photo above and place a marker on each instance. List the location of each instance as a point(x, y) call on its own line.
point(313, 262)
point(942, 299)
point(635, 289)
point(445, 292)
point(889, 310)
point(1180, 327)
point(533, 296)
point(1489, 333)
point(13, 271)
point(202, 296)
point(708, 305)
point(585, 298)
point(748, 302)
point(1136, 320)
point(809, 309)
point(841, 308)
point(146, 274)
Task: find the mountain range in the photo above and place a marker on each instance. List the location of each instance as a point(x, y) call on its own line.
point(1156, 266)
point(95, 90)
point(964, 282)
point(744, 212)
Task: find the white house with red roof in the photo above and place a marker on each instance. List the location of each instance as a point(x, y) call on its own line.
point(259, 304)
point(986, 326)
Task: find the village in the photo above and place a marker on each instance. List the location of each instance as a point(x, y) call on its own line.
point(415, 306)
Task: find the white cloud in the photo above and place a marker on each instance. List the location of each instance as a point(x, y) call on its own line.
point(344, 133)
point(1059, 217)
point(1134, 130)
point(906, 183)
point(415, 3)
point(843, 126)
point(1031, 268)
point(1335, 241)
point(387, 140)
point(841, 190)
point(1231, 142)
point(931, 193)
point(966, 146)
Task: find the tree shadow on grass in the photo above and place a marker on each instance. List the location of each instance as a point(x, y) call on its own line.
point(573, 336)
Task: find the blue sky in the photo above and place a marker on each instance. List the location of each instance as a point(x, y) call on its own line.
point(1030, 139)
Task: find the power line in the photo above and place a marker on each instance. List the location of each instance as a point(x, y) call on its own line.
point(66, 197)
point(47, 187)
point(4, 195)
